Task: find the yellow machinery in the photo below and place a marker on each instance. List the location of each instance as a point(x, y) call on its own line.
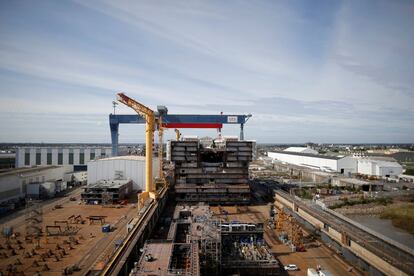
point(280, 219)
point(160, 180)
point(293, 229)
point(177, 134)
point(149, 117)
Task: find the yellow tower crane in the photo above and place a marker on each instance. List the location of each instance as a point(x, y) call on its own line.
point(149, 116)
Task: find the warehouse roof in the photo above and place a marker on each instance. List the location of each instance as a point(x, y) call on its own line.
point(381, 163)
point(115, 184)
point(126, 157)
point(310, 155)
point(301, 150)
point(27, 170)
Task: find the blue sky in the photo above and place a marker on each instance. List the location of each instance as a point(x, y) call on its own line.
point(320, 71)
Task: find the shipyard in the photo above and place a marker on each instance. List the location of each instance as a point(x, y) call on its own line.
point(193, 206)
point(206, 138)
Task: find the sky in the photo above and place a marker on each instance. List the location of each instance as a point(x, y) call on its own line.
point(308, 71)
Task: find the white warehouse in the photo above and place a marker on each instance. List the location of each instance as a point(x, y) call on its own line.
point(123, 167)
point(14, 183)
point(380, 168)
point(42, 156)
point(344, 165)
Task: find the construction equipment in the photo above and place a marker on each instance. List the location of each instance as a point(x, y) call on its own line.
point(280, 219)
point(177, 134)
point(93, 219)
point(160, 146)
point(53, 230)
point(149, 116)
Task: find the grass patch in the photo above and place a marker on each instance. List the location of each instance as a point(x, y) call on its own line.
point(401, 215)
point(382, 200)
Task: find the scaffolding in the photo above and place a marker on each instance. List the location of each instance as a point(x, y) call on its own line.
point(280, 220)
point(211, 247)
point(34, 219)
point(107, 198)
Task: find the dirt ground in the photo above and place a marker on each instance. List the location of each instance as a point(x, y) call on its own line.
point(317, 255)
point(50, 255)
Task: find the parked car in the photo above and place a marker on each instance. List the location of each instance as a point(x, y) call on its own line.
point(291, 267)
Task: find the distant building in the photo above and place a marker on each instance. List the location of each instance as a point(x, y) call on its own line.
point(356, 184)
point(344, 165)
point(42, 156)
point(7, 160)
point(14, 183)
point(120, 167)
point(107, 192)
point(380, 168)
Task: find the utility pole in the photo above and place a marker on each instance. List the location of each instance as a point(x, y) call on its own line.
point(114, 104)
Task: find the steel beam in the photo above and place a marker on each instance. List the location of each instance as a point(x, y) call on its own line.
point(176, 121)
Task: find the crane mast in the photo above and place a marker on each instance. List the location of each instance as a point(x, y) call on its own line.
point(177, 134)
point(149, 116)
point(160, 147)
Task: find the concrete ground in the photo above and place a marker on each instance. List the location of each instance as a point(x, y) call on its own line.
point(88, 248)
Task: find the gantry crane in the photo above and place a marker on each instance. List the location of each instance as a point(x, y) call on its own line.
point(149, 116)
point(158, 121)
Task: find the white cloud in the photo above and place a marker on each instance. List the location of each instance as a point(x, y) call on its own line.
point(290, 70)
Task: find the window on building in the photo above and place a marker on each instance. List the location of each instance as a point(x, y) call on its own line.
point(81, 158)
point(49, 158)
point(38, 158)
point(71, 158)
point(92, 156)
point(27, 159)
point(60, 158)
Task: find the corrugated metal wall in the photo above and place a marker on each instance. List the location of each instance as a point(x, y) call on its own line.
point(104, 169)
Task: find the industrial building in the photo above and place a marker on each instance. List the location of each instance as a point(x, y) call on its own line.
point(43, 156)
point(107, 192)
point(15, 183)
point(345, 165)
point(356, 184)
point(125, 167)
point(379, 168)
point(7, 160)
